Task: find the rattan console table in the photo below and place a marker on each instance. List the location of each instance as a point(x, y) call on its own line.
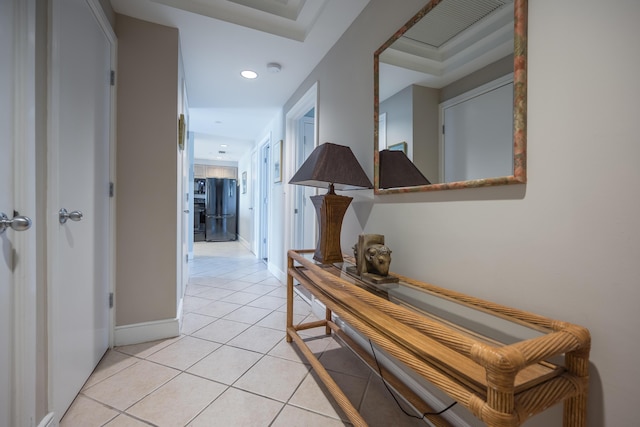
point(502, 364)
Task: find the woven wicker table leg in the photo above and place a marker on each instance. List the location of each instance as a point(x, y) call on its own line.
point(289, 299)
point(575, 408)
point(500, 398)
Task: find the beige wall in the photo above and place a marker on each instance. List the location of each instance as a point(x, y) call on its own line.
point(146, 190)
point(565, 245)
point(426, 152)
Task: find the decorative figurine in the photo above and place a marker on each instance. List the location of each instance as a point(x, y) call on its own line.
point(373, 258)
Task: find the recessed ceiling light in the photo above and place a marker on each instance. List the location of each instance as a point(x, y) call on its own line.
point(223, 145)
point(248, 74)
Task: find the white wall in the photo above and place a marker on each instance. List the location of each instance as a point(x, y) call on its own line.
point(565, 245)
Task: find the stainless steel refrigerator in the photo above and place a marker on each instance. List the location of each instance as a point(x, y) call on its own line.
point(221, 208)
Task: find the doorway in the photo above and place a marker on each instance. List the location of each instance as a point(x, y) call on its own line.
point(304, 211)
point(301, 119)
point(263, 203)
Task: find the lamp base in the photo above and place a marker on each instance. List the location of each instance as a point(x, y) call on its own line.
point(330, 210)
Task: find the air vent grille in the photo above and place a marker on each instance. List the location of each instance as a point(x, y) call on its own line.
point(289, 9)
point(451, 17)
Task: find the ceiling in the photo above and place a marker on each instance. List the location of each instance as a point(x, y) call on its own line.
point(454, 39)
point(220, 38)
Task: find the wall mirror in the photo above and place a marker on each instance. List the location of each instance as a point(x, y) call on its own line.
point(450, 87)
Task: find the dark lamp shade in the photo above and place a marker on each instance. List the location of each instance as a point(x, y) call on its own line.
point(396, 170)
point(332, 164)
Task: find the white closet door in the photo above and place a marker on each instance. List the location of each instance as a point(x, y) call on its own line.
point(78, 163)
point(478, 137)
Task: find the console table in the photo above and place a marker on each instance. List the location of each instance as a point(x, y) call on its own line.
point(502, 364)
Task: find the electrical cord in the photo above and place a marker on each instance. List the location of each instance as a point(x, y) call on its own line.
point(394, 396)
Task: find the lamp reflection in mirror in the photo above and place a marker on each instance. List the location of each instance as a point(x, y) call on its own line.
point(396, 170)
point(334, 167)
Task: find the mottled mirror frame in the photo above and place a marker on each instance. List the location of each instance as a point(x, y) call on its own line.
point(519, 109)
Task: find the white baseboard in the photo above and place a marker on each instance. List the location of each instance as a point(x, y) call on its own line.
point(49, 420)
point(427, 396)
point(147, 331)
point(244, 242)
point(280, 275)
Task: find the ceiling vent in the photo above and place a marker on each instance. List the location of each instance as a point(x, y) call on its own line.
point(289, 9)
point(451, 17)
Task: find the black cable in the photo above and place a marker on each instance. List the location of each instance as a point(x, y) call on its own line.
point(394, 396)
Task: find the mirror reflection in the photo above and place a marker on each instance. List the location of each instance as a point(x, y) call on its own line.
point(451, 95)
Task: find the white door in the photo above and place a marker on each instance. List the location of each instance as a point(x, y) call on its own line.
point(478, 137)
point(78, 165)
point(305, 211)
point(265, 185)
point(17, 193)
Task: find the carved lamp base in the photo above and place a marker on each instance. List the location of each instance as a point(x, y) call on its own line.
point(330, 210)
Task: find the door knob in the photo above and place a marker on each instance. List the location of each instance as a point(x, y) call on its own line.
point(73, 215)
point(18, 223)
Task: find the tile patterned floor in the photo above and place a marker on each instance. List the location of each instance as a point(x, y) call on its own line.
point(231, 365)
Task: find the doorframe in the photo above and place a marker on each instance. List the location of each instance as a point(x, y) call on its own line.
point(292, 124)
point(113, 40)
point(185, 203)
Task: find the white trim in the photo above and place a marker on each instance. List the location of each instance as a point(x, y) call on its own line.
point(394, 367)
point(147, 331)
point(306, 102)
point(277, 272)
point(49, 420)
point(487, 87)
point(244, 242)
point(318, 308)
point(103, 21)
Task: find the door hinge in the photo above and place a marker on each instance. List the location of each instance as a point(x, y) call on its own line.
point(443, 129)
point(186, 258)
point(111, 189)
point(112, 78)
point(111, 300)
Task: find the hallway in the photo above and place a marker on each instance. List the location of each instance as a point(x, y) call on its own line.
point(231, 365)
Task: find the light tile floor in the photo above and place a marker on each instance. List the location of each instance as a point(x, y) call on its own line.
point(231, 365)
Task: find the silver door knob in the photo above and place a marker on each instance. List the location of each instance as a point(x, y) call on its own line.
point(73, 215)
point(18, 223)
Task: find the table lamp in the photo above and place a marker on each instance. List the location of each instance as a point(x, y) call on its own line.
point(334, 167)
